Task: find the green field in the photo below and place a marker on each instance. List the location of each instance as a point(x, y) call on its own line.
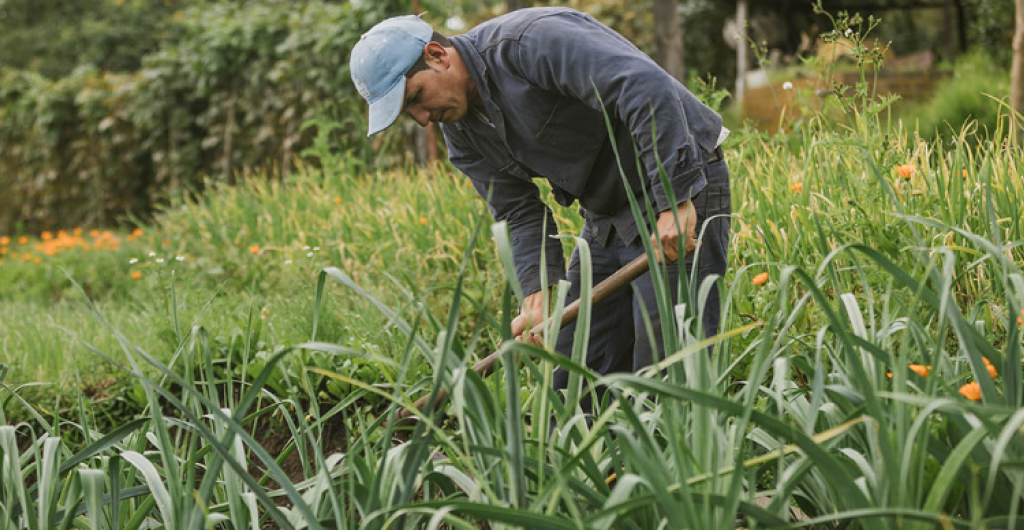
point(239, 361)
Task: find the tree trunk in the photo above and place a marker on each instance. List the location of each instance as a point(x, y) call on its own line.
point(741, 52)
point(668, 38)
point(512, 5)
point(961, 25)
point(229, 132)
point(1017, 70)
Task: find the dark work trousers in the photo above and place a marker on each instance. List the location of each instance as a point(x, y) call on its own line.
point(619, 341)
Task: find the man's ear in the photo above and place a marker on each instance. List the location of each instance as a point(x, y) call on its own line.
point(434, 53)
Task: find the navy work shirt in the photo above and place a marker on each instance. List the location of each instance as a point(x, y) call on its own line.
point(536, 71)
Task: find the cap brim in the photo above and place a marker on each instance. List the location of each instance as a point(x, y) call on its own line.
point(385, 110)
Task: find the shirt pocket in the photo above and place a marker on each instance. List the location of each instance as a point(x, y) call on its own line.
point(571, 125)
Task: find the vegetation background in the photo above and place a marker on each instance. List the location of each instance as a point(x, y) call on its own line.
point(195, 223)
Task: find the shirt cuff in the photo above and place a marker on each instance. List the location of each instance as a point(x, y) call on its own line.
point(685, 186)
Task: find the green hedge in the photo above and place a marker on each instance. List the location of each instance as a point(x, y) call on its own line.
point(231, 95)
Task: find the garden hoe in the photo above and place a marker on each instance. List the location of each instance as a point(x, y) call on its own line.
point(611, 284)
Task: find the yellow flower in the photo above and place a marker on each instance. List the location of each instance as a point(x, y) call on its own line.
point(5, 240)
point(971, 391)
point(921, 369)
point(760, 279)
point(255, 249)
point(423, 220)
point(136, 275)
point(46, 236)
point(906, 170)
point(797, 187)
point(23, 240)
point(337, 200)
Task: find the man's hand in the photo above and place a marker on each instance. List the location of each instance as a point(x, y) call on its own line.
point(530, 314)
point(670, 234)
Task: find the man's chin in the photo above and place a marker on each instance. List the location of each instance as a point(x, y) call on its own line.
point(452, 115)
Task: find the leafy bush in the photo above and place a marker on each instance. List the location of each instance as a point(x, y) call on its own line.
point(230, 96)
point(966, 96)
point(53, 37)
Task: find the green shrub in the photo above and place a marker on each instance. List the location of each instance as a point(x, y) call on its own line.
point(967, 95)
point(230, 96)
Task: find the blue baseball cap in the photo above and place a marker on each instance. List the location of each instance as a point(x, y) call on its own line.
point(380, 61)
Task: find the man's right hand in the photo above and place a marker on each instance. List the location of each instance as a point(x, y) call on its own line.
point(531, 313)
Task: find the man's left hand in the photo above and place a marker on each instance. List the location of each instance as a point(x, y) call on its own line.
point(669, 231)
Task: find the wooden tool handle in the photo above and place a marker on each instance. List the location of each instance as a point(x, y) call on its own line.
point(611, 284)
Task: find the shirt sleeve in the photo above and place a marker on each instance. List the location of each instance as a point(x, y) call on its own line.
point(572, 54)
point(516, 201)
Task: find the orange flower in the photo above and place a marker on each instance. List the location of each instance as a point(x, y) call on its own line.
point(1020, 319)
point(918, 369)
point(992, 372)
point(971, 391)
point(37, 260)
point(5, 240)
point(94, 233)
point(137, 232)
point(23, 240)
point(423, 220)
point(797, 187)
point(921, 369)
point(61, 233)
point(3, 251)
point(760, 279)
point(136, 275)
point(255, 249)
point(906, 170)
point(337, 200)
point(964, 173)
point(46, 236)
point(77, 231)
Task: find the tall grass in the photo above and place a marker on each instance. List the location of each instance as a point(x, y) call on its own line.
point(808, 415)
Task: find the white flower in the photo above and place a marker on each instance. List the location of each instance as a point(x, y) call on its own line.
point(849, 32)
point(287, 262)
point(309, 255)
point(152, 254)
point(787, 86)
point(316, 249)
point(159, 260)
point(305, 248)
point(179, 258)
point(133, 261)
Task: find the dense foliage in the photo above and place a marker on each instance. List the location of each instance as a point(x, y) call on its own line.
point(869, 373)
point(232, 94)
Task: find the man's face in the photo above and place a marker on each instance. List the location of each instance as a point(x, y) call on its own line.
point(435, 94)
